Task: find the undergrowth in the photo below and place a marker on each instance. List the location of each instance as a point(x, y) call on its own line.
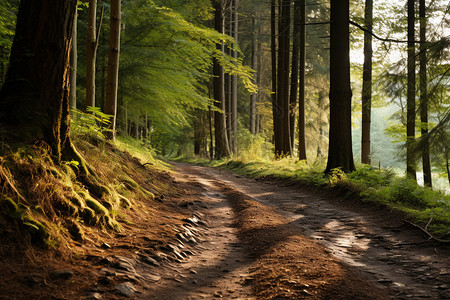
point(423, 205)
point(428, 207)
point(52, 205)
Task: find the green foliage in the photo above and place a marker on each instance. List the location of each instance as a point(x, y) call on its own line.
point(93, 122)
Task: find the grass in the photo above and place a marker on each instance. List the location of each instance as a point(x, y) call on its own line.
point(422, 205)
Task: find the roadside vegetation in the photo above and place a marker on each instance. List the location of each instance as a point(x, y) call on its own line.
point(423, 206)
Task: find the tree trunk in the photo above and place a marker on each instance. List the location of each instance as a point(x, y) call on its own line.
point(221, 137)
point(411, 94)
point(74, 63)
point(294, 74)
point(274, 95)
point(91, 53)
point(113, 67)
point(234, 81)
point(367, 84)
point(35, 96)
point(284, 146)
point(301, 92)
point(424, 96)
point(340, 154)
point(253, 95)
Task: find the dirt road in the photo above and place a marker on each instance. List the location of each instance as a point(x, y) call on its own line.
point(386, 255)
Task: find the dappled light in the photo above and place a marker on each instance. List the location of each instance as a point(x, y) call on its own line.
point(203, 149)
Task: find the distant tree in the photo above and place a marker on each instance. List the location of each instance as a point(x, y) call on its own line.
point(426, 166)
point(293, 94)
point(74, 63)
point(340, 154)
point(91, 52)
point(367, 84)
point(301, 90)
point(113, 66)
point(411, 93)
point(282, 143)
point(35, 96)
point(222, 146)
point(274, 92)
point(253, 96)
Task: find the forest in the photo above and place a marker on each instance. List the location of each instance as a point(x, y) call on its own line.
point(265, 140)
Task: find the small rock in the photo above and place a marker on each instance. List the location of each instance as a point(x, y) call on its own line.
point(106, 246)
point(153, 278)
point(63, 275)
point(151, 261)
point(94, 296)
point(192, 271)
point(126, 289)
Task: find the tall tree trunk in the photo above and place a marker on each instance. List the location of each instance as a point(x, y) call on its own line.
point(411, 94)
point(340, 154)
point(234, 82)
point(301, 90)
point(221, 137)
point(367, 84)
point(284, 147)
point(294, 74)
point(424, 95)
point(91, 52)
point(35, 96)
point(274, 95)
point(113, 67)
point(74, 63)
point(253, 95)
point(258, 76)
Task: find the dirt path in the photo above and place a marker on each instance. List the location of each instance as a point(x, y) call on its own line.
point(378, 247)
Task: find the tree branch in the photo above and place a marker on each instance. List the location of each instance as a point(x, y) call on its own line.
point(380, 38)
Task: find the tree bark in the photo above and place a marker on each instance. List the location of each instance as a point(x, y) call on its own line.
point(293, 95)
point(35, 96)
point(284, 146)
point(220, 126)
point(234, 81)
point(274, 95)
point(411, 94)
point(424, 96)
point(74, 63)
point(367, 84)
point(340, 154)
point(91, 53)
point(253, 95)
point(301, 92)
point(113, 67)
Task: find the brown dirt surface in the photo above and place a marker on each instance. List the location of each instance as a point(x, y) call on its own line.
point(218, 235)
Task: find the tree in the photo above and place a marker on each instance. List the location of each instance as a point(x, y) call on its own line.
point(423, 95)
point(282, 143)
point(274, 92)
point(294, 73)
point(367, 84)
point(113, 66)
point(35, 95)
point(411, 93)
point(221, 137)
point(74, 63)
point(91, 51)
point(301, 90)
point(253, 96)
point(340, 154)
